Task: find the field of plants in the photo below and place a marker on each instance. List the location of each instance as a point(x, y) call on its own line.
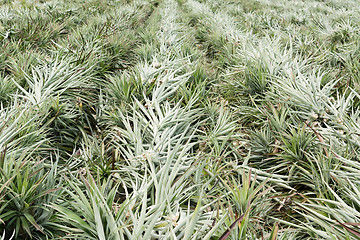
point(179, 119)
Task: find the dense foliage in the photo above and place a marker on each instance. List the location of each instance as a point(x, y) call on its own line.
point(179, 119)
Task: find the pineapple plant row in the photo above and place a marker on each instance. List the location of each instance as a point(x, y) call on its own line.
point(179, 119)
